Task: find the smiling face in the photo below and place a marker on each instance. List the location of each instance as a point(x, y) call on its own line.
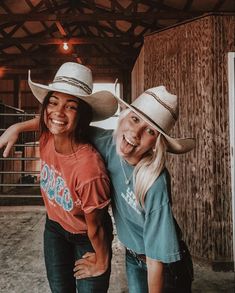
point(134, 138)
point(61, 113)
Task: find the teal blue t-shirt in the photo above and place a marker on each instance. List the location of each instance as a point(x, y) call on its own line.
point(150, 231)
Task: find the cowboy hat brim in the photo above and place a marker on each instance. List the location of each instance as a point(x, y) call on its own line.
point(174, 145)
point(103, 103)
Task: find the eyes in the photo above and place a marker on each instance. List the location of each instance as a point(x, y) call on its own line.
point(68, 105)
point(135, 119)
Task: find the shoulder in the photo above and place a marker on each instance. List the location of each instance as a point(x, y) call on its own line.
point(159, 193)
point(45, 140)
point(99, 133)
point(102, 139)
point(162, 182)
point(91, 162)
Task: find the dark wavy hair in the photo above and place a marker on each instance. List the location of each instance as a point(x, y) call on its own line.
point(83, 119)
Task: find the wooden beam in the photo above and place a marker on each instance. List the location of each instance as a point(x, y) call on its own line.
point(61, 29)
point(94, 17)
point(97, 55)
point(24, 68)
point(76, 41)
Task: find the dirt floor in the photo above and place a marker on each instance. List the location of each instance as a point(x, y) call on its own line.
point(22, 267)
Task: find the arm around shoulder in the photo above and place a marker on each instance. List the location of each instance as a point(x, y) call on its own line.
point(10, 136)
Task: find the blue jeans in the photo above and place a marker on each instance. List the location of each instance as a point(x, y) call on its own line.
point(177, 277)
point(136, 274)
point(61, 249)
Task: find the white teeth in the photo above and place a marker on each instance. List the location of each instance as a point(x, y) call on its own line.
point(57, 122)
point(130, 142)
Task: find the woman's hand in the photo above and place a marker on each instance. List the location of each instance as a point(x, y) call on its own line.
point(8, 139)
point(10, 136)
point(87, 267)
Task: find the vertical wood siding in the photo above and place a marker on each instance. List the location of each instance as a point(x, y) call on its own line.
point(137, 76)
point(191, 61)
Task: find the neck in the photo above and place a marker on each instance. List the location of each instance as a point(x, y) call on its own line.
point(64, 145)
point(129, 161)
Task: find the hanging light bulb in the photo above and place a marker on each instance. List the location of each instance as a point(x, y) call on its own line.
point(65, 46)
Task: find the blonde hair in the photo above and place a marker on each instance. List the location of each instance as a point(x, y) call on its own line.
point(149, 167)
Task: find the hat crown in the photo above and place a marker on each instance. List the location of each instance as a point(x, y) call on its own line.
point(73, 77)
point(159, 106)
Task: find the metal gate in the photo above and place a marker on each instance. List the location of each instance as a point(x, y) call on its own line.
point(19, 173)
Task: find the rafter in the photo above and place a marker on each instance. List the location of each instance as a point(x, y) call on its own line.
point(24, 68)
point(58, 41)
point(53, 55)
point(94, 17)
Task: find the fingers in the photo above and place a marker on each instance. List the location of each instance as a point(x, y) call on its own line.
point(88, 254)
point(86, 271)
point(7, 150)
point(87, 267)
point(82, 269)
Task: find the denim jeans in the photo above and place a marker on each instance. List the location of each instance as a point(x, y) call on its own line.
point(136, 274)
point(176, 276)
point(61, 249)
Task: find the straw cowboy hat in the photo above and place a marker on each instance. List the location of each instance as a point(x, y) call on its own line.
point(76, 80)
point(159, 109)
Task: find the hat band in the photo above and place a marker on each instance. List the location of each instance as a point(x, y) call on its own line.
point(148, 118)
point(174, 115)
point(74, 82)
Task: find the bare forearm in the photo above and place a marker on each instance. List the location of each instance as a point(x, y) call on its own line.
point(10, 136)
point(96, 263)
point(155, 276)
point(101, 246)
point(29, 125)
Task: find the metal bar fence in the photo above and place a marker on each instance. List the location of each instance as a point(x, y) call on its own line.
point(19, 173)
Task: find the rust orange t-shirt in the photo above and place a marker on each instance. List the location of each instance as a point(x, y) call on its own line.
point(73, 184)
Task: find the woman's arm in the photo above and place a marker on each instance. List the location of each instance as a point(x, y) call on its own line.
point(155, 275)
point(10, 136)
point(94, 264)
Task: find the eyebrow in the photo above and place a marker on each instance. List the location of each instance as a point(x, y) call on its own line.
point(69, 100)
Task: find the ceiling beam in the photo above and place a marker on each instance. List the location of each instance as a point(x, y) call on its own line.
point(6, 41)
point(25, 68)
point(94, 17)
point(97, 55)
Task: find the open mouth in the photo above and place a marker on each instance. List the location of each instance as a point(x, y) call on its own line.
point(57, 122)
point(129, 141)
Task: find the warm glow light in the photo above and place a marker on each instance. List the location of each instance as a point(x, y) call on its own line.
point(65, 46)
point(2, 69)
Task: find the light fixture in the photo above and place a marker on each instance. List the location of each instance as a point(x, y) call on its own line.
point(65, 46)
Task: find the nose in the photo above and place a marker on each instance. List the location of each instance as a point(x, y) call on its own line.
point(138, 130)
point(59, 110)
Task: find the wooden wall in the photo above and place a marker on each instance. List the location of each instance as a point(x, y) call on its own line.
point(137, 76)
point(16, 93)
point(191, 61)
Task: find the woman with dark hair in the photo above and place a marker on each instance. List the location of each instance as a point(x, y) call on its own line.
point(73, 181)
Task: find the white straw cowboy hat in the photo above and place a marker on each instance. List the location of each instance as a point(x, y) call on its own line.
point(76, 80)
point(159, 109)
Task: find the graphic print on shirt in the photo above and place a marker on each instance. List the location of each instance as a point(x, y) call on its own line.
point(130, 199)
point(55, 187)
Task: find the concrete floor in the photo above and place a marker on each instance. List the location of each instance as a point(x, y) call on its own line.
point(22, 265)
